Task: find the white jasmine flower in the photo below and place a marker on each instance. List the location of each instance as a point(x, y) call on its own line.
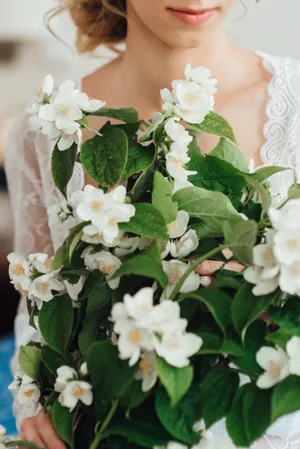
point(288, 217)
point(192, 104)
point(63, 111)
point(61, 214)
point(69, 135)
point(275, 362)
point(92, 235)
point(178, 134)
point(64, 375)
point(201, 76)
point(105, 262)
point(166, 315)
point(164, 249)
point(75, 391)
point(41, 262)
point(119, 316)
point(126, 246)
point(87, 104)
point(147, 372)
point(293, 351)
point(2, 431)
point(175, 168)
point(91, 203)
point(41, 289)
point(108, 226)
point(29, 394)
point(15, 385)
point(287, 246)
point(186, 245)
point(19, 268)
point(46, 90)
point(265, 272)
point(289, 280)
point(174, 269)
point(140, 306)
point(132, 341)
point(178, 227)
point(47, 128)
point(178, 185)
point(176, 346)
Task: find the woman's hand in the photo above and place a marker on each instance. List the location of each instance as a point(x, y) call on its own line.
point(39, 430)
point(209, 267)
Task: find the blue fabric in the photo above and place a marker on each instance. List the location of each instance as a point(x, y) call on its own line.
point(6, 416)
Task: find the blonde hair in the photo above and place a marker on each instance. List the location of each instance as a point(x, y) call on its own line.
point(97, 21)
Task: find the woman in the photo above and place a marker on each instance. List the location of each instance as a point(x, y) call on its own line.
point(258, 95)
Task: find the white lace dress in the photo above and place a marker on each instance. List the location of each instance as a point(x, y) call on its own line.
point(28, 167)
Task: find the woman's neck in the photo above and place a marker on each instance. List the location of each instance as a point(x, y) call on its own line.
point(150, 65)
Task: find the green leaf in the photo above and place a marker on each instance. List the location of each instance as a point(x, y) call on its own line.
point(280, 338)
point(30, 358)
point(97, 291)
point(246, 307)
point(134, 396)
point(176, 381)
point(50, 401)
point(217, 392)
point(230, 153)
point(254, 340)
point(89, 333)
point(151, 130)
point(52, 360)
point(26, 444)
point(130, 129)
point(103, 364)
point(73, 240)
point(294, 192)
point(63, 163)
point(218, 303)
point(146, 433)
point(180, 419)
point(147, 222)
point(139, 158)
point(105, 158)
point(286, 397)
point(61, 257)
point(56, 322)
point(213, 208)
point(288, 316)
point(217, 175)
point(63, 421)
point(241, 238)
point(162, 198)
point(127, 115)
point(143, 265)
point(250, 415)
point(212, 343)
point(227, 282)
point(265, 172)
point(216, 125)
point(261, 190)
point(143, 184)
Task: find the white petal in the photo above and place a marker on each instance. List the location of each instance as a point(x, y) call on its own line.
point(253, 274)
point(265, 287)
point(65, 142)
point(48, 85)
point(47, 112)
point(166, 96)
point(266, 381)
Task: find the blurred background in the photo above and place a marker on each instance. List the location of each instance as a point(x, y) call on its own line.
point(28, 52)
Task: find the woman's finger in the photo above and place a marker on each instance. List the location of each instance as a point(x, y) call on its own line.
point(30, 434)
point(48, 434)
point(208, 267)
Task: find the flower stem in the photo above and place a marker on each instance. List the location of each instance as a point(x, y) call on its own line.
point(193, 266)
point(100, 435)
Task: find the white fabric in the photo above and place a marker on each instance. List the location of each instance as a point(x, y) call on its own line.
point(28, 167)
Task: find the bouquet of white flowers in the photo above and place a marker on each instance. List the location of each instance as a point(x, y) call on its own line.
point(149, 353)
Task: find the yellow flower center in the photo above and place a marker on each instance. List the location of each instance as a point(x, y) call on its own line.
point(96, 206)
point(294, 243)
point(191, 96)
point(112, 221)
point(135, 337)
point(39, 94)
point(296, 269)
point(42, 287)
point(174, 274)
point(24, 292)
point(274, 368)
point(96, 236)
point(78, 392)
point(145, 366)
point(47, 264)
point(18, 269)
point(172, 226)
point(106, 268)
point(62, 110)
point(28, 393)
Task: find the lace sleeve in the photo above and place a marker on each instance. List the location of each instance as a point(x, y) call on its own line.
point(31, 232)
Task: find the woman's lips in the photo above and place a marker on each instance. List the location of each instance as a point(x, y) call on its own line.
point(191, 17)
